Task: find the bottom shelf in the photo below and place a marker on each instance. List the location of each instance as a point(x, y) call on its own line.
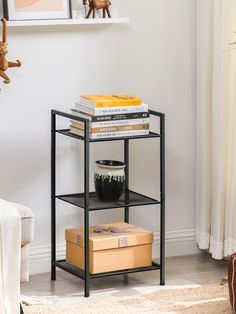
point(81, 274)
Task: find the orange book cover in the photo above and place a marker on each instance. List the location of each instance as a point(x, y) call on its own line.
point(110, 100)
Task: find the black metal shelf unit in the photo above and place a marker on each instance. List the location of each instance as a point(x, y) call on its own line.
point(88, 201)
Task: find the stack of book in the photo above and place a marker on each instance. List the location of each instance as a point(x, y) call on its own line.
point(114, 115)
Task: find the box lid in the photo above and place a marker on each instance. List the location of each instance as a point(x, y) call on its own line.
point(109, 236)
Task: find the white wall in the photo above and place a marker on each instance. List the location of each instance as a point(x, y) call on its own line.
point(153, 57)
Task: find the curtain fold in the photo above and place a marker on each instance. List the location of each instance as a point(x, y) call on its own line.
point(216, 126)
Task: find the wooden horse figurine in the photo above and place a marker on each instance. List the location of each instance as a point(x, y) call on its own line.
point(4, 64)
point(95, 5)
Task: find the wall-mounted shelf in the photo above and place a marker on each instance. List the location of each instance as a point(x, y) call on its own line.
point(118, 20)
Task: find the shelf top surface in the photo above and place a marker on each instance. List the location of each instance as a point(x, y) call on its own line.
point(128, 198)
point(80, 272)
point(58, 22)
point(68, 133)
point(70, 116)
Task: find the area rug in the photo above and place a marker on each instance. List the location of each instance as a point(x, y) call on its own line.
point(211, 299)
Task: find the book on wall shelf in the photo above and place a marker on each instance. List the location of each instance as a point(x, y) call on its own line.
point(109, 117)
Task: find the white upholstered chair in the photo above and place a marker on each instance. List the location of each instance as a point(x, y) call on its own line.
point(27, 232)
point(16, 233)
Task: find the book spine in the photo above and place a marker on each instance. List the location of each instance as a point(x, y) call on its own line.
point(127, 116)
point(119, 134)
point(120, 128)
point(111, 117)
point(111, 111)
point(110, 134)
point(80, 114)
point(110, 123)
point(118, 103)
point(76, 131)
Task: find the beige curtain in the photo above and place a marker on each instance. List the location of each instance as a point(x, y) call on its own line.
point(216, 126)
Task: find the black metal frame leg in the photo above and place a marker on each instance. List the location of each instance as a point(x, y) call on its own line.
point(21, 309)
point(126, 161)
point(162, 209)
point(126, 213)
point(53, 196)
point(86, 211)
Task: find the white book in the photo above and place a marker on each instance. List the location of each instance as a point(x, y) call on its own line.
point(109, 117)
point(110, 134)
point(110, 110)
point(80, 125)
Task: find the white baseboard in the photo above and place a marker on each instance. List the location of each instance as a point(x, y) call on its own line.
point(178, 242)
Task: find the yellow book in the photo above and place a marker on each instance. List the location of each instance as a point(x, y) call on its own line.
point(112, 100)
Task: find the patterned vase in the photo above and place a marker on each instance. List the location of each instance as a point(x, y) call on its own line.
point(109, 179)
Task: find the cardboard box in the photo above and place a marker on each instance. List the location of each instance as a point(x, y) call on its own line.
point(112, 247)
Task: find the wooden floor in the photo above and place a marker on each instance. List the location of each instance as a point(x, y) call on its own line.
point(181, 272)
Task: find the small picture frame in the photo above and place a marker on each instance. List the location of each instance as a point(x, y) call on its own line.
point(21, 10)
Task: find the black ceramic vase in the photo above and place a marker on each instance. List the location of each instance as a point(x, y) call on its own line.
point(109, 179)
